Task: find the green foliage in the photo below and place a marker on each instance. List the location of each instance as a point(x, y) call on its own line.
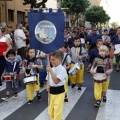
point(75, 7)
point(34, 4)
point(114, 24)
point(96, 14)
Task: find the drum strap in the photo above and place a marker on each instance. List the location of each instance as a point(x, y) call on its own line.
point(64, 59)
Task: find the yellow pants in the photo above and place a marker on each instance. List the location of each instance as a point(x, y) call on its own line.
point(30, 88)
point(66, 85)
point(99, 88)
point(78, 77)
point(55, 108)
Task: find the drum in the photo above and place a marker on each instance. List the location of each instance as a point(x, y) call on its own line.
point(75, 69)
point(100, 77)
point(7, 78)
point(30, 80)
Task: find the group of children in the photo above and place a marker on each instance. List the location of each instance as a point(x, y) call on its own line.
point(57, 77)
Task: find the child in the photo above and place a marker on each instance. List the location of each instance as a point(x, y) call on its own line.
point(12, 68)
point(103, 65)
point(55, 85)
point(19, 59)
point(77, 54)
point(43, 72)
point(30, 66)
point(66, 63)
point(94, 53)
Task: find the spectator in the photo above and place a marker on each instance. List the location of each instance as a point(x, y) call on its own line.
point(20, 41)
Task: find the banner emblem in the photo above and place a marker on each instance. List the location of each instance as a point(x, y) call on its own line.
point(45, 32)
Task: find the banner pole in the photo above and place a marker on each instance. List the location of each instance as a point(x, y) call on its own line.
point(28, 9)
point(48, 85)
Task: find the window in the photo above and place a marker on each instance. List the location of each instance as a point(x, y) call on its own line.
point(10, 15)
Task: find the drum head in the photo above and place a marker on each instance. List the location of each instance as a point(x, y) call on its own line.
point(99, 76)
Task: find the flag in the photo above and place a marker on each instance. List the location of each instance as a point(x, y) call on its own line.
point(46, 30)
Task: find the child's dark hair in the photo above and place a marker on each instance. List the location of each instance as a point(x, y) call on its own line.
point(65, 46)
point(30, 49)
point(11, 51)
point(105, 30)
point(58, 54)
point(76, 38)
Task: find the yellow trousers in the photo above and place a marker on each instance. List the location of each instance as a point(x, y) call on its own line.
point(55, 108)
point(99, 88)
point(78, 77)
point(66, 84)
point(30, 88)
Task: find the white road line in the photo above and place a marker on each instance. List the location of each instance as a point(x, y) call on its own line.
point(111, 109)
point(73, 97)
point(3, 86)
point(6, 108)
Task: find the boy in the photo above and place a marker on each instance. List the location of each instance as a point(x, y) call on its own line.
point(103, 65)
point(66, 63)
point(55, 85)
point(77, 54)
point(12, 68)
point(30, 66)
point(94, 53)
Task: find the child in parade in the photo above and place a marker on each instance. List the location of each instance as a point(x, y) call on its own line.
point(66, 63)
point(19, 59)
point(94, 53)
point(55, 85)
point(12, 68)
point(102, 67)
point(77, 54)
point(42, 72)
point(30, 66)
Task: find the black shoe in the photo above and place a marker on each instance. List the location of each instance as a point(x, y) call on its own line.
point(30, 102)
point(88, 70)
point(79, 89)
point(73, 85)
point(66, 99)
point(104, 99)
point(97, 104)
point(39, 96)
point(117, 70)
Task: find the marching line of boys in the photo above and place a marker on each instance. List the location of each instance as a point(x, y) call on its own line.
point(57, 82)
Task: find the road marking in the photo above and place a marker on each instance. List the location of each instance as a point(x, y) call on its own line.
point(3, 86)
point(111, 109)
point(7, 108)
point(73, 97)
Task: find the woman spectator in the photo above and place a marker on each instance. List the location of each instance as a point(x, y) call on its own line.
point(4, 47)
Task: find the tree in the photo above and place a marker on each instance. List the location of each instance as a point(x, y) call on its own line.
point(35, 4)
point(75, 7)
point(114, 24)
point(96, 14)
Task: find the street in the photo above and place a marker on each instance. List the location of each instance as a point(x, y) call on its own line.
point(79, 107)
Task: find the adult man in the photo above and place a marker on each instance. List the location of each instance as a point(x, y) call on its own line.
point(70, 41)
point(20, 40)
point(93, 38)
point(116, 41)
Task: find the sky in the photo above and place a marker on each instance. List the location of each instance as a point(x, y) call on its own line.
point(113, 9)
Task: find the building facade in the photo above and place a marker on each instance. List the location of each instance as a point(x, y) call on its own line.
point(13, 12)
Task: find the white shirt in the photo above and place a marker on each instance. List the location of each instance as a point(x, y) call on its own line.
point(8, 36)
point(106, 38)
point(19, 37)
point(60, 73)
